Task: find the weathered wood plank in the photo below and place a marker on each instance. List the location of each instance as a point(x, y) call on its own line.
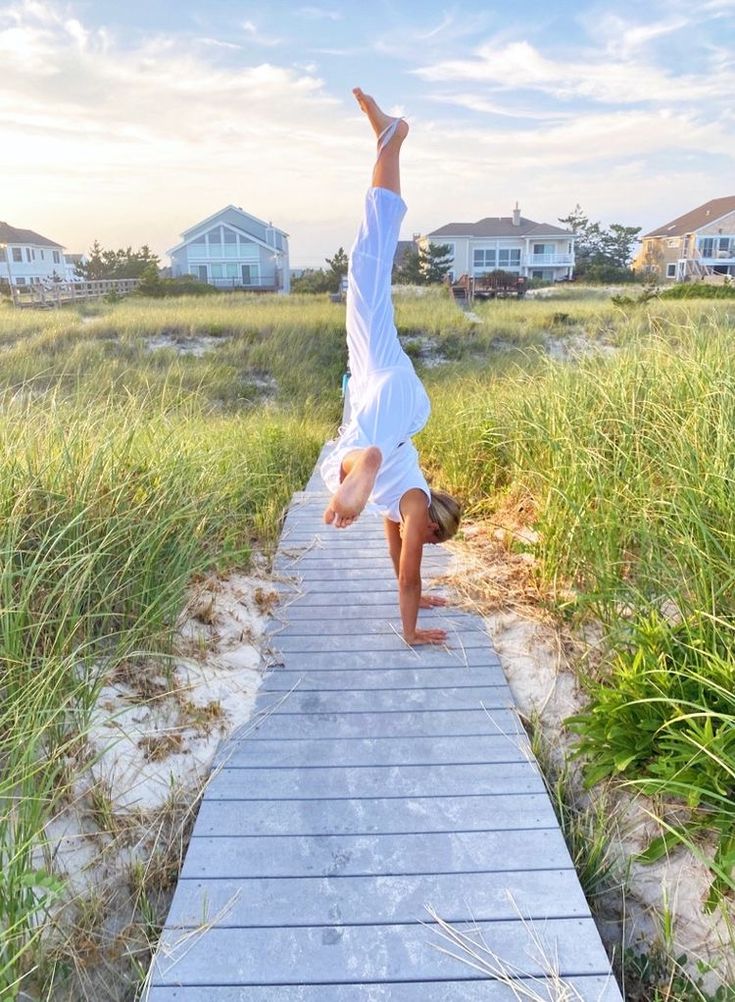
point(585, 989)
point(378, 701)
point(385, 815)
point(399, 724)
point(289, 643)
point(269, 901)
point(323, 626)
point(377, 751)
point(236, 782)
point(281, 679)
point(429, 657)
point(292, 612)
point(367, 855)
point(369, 953)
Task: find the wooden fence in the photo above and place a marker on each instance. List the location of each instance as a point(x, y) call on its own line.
point(61, 293)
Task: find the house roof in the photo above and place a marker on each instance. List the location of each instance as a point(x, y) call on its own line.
point(12, 235)
point(235, 208)
point(499, 226)
point(403, 247)
point(189, 233)
point(703, 215)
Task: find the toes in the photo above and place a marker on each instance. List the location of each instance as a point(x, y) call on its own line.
point(329, 515)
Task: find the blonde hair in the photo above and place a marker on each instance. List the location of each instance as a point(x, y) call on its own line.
point(445, 511)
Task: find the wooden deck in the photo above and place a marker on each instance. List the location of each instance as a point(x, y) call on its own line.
point(373, 781)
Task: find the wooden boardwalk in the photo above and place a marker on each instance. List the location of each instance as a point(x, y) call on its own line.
point(373, 781)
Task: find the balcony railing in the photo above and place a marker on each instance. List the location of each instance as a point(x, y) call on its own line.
point(260, 284)
point(541, 259)
point(720, 256)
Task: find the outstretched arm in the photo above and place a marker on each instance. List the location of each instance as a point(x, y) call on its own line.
point(415, 525)
point(393, 538)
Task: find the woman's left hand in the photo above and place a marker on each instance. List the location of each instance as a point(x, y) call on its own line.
point(432, 601)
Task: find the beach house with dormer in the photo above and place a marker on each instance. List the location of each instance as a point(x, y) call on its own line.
point(234, 250)
point(697, 245)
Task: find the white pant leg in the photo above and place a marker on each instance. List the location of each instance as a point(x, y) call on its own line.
point(372, 339)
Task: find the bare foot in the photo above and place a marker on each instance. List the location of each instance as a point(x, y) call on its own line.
point(377, 118)
point(353, 493)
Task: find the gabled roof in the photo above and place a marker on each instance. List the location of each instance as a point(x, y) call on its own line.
point(235, 208)
point(188, 234)
point(12, 235)
point(703, 215)
point(499, 226)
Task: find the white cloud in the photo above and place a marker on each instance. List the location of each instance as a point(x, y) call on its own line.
point(519, 65)
point(218, 43)
point(473, 101)
point(320, 13)
point(255, 35)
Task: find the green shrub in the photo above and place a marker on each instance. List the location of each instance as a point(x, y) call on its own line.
point(699, 290)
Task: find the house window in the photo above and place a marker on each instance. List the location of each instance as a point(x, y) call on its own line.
point(230, 244)
point(17, 254)
point(57, 258)
point(216, 270)
point(2, 254)
point(507, 257)
point(202, 270)
point(30, 254)
point(483, 258)
point(20, 281)
point(707, 247)
point(201, 239)
point(671, 271)
point(231, 270)
point(215, 243)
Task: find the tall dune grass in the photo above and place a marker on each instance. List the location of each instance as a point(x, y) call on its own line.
point(106, 511)
point(630, 460)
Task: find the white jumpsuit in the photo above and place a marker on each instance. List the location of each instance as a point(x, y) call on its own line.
point(387, 399)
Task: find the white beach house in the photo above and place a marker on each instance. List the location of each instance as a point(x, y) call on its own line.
point(510, 243)
point(27, 258)
point(232, 249)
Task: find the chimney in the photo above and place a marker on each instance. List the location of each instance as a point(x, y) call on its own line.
point(516, 216)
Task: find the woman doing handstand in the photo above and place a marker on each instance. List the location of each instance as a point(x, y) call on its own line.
point(373, 458)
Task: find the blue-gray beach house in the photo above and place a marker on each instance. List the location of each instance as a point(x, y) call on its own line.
point(234, 250)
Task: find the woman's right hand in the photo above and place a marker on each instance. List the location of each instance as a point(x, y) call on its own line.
point(432, 601)
point(425, 637)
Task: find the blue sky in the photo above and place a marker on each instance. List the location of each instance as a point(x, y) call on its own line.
point(130, 122)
